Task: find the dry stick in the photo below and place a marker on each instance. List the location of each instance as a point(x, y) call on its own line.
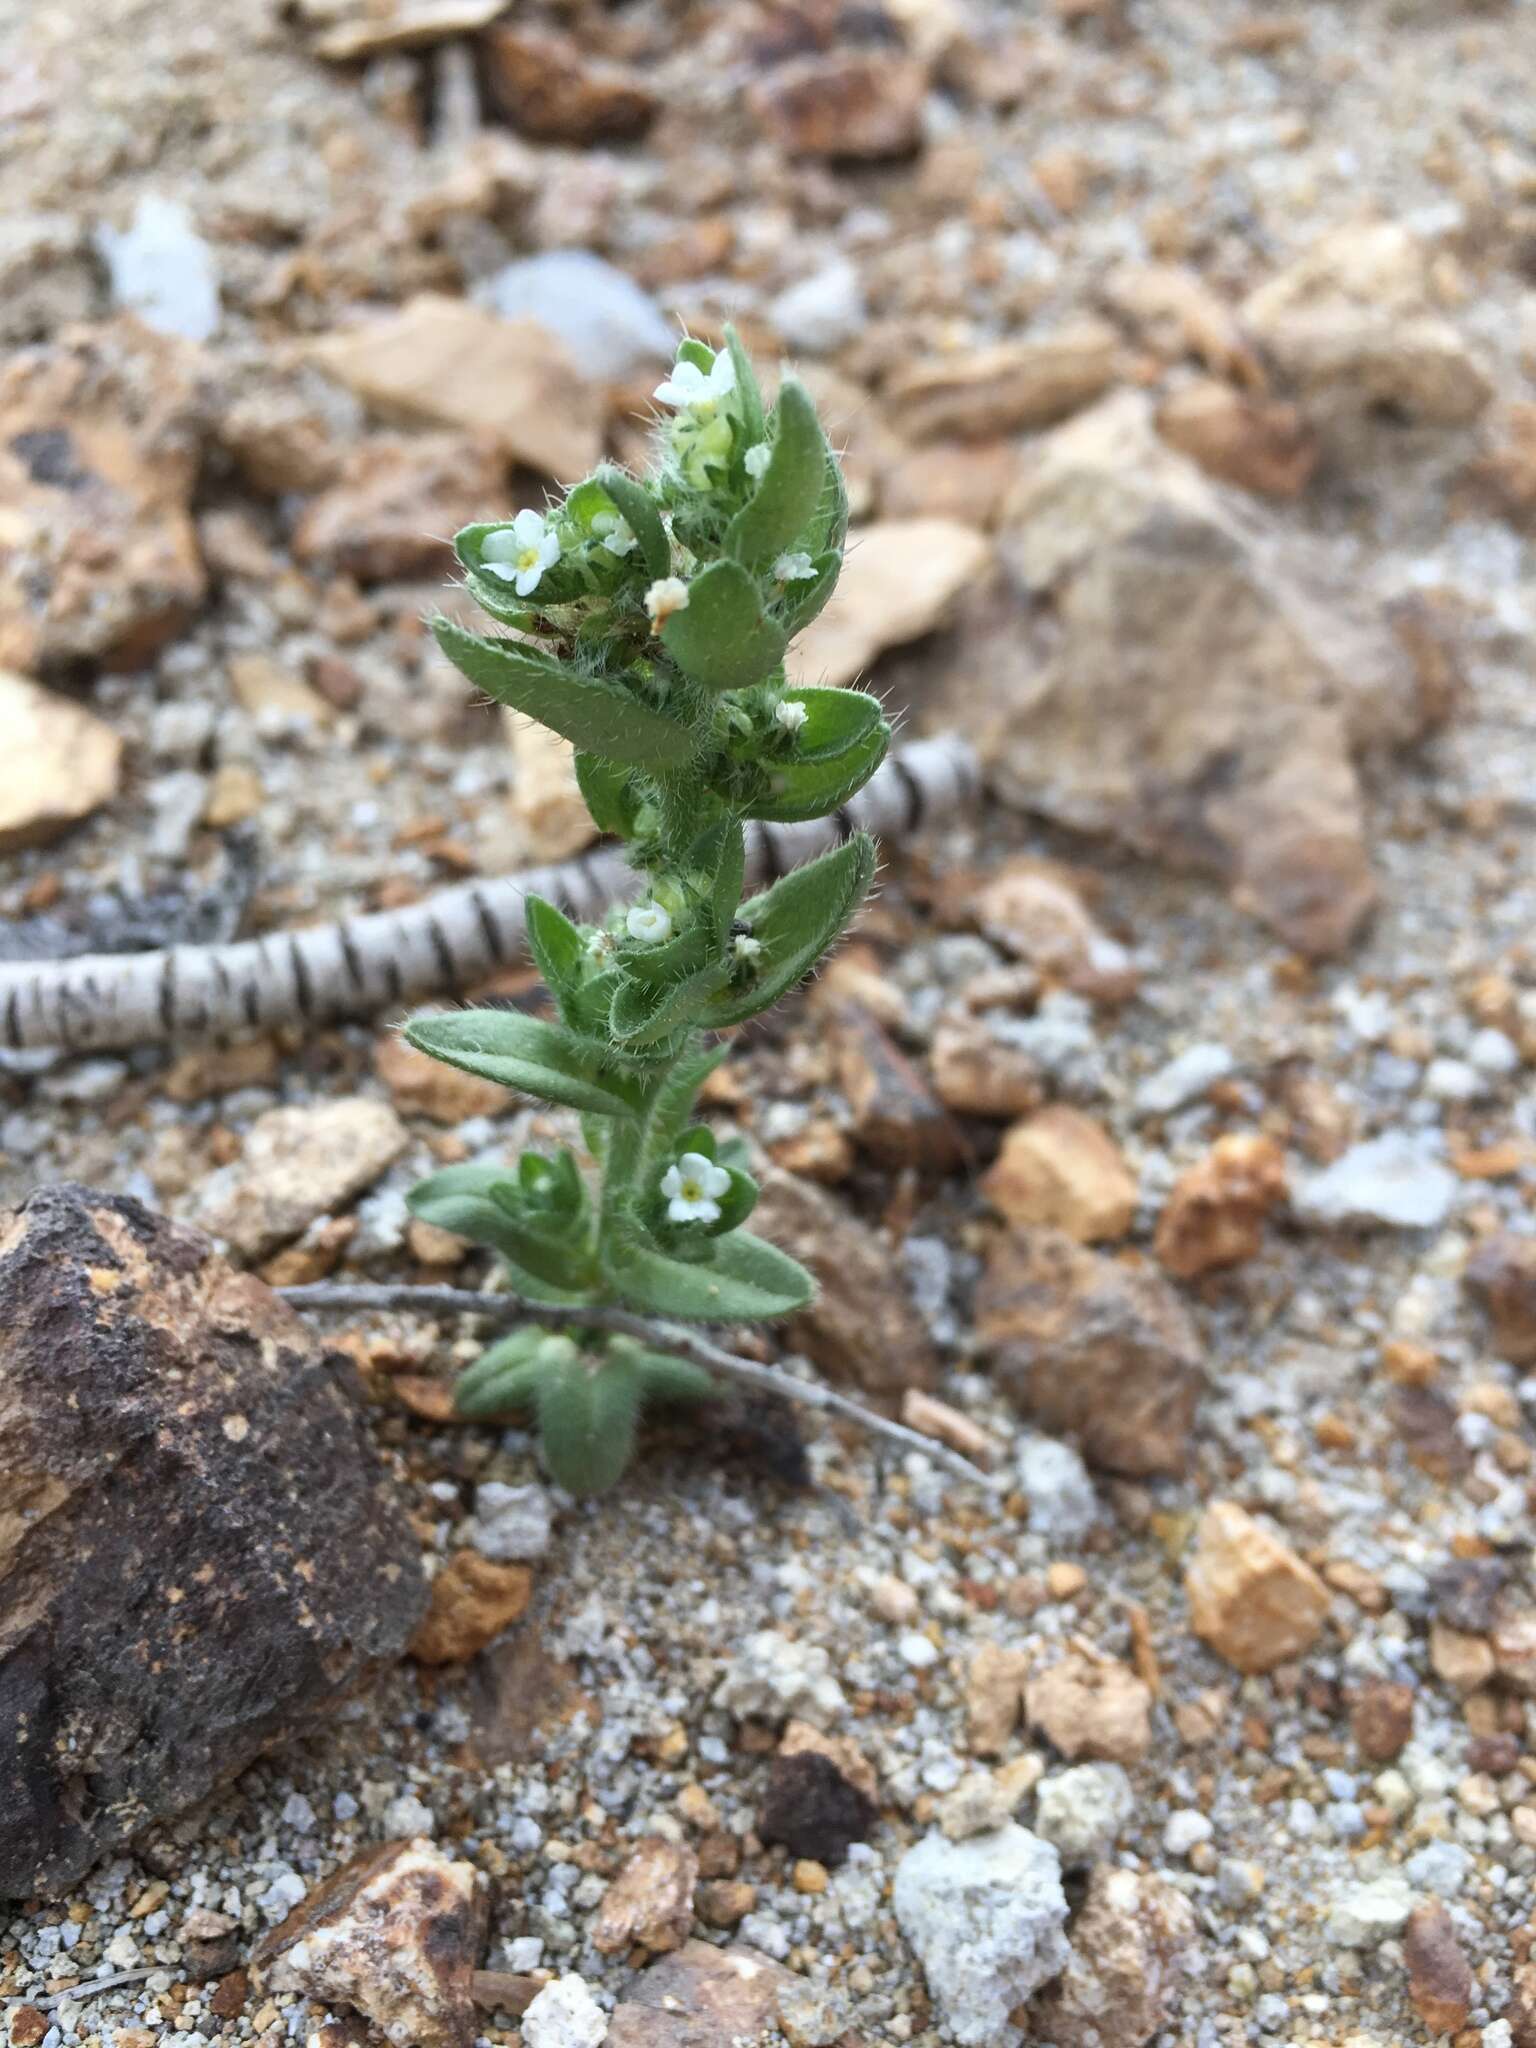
point(451, 941)
point(504, 1310)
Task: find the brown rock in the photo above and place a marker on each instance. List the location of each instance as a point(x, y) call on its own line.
point(511, 1991)
point(101, 436)
point(899, 580)
point(1018, 385)
point(895, 1119)
point(299, 1164)
point(197, 1544)
point(58, 763)
point(1091, 1706)
point(546, 802)
point(1504, 480)
point(1426, 1422)
point(390, 512)
point(442, 362)
point(1060, 1170)
point(1440, 1980)
point(866, 104)
point(650, 1903)
point(1030, 907)
point(725, 1902)
point(964, 480)
point(861, 1327)
point(27, 2026)
point(288, 428)
point(1176, 314)
point(1133, 1943)
point(419, 1086)
point(1514, 1651)
point(351, 29)
point(230, 1995)
point(1259, 444)
point(1501, 1275)
point(701, 1997)
point(813, 1807)
point(1521, 2010)
point(994, 1697)
point(1250, 1596)
point(1381, 1719)
point(1094, 1349)
point(473, 1600)
point(976, 1073)
point(550, 88)
point(395, 1934)
point(947, 1425)
point(1216, 1209)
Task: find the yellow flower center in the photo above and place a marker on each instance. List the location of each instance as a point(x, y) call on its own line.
point(528, 559)
point(692, 1191)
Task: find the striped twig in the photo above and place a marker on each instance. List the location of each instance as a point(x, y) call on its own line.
point(454, 939)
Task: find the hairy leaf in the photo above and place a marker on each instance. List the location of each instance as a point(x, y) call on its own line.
point(795, 922)
point(608, 791)
point(459, 1200)
point(810, 789)
point(587, 1422)
point(642, 1016)
point(557, 947)
point(780, 508)
point(835, 720)
point(744, 1279)
point(637, 506)
point(503, 1377)
point(723, 637)
point(749, 397)
point(523, 1053)
point(803, 602)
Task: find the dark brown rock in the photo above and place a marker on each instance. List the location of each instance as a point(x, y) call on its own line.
point(1381, 1719)
point(395, 1934)
point(197, 1544)
point(1501, 1275)
point(895, 1117)
point(1089, 1346)
point(1426, 1422)
point(813, 1809)
point(549, 88)
point(229, 1995)
point(1466, 1592)
point(1440, 1979)
point(701, 1997)
point(846, 103)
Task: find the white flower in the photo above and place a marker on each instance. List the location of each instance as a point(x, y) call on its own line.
point(745, 947)
point(520, 553)
point(698, 390)
point(600, 945)
point(796, 568)
point(789, 716)
point(618, 535)
point(649, 922)
point(691, 1187)
point(668, 594)
point(757, 459)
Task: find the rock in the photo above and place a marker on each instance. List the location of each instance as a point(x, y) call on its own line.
point(288, 429)
point(865, 104)
point(821, 312)
point(1463, 1661)
point(1053, 1478)
point(994, 1697)
point(1381, 1719)
point(299, 1164)
point(947, 1425)
point(390, 511)
point(861, 1327)
point(442, 362)
point(984, 1918)
point(1089, 1347)
point(200, 1546)
point(1184, 678)
point(976, 1073)
point(350, 29)
point(1216, 1210)
point(419, 1086)
point(473, 1600)
point(899, 579)
point(1440, 1980)
point(395, 1934)
point(48, 276)
point(701, 1997)
point(964, 480)
point(1501, 1276)
point(893, 1116)
point(1184, 1079)
point(772, 1678)
point(1091, 1706)
point(564, 2015)
point(1362, 1915)
point(58, 764)
point(101, 438)
point(549, 88)
point(511, 1522)
point(1398, 1179)
point(546, 804)
point(979, 1805)
point(1259, 444)
point(1133, 1944)
point(1013, 387)
point(607, 322)
point(1176, 314)
point(1082, 1812)
point(1030, 908)
point(820, 1796)
point(163, 270)
point(1060, 1170)
point(649, 1905)
point(1354, 318)
point(1250, 1596)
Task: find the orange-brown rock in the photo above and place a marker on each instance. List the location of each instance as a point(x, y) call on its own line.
point(1060, 1170)
point(1014, 386)
point(388, 512)
point(975, 1073)
point(1440, 1981)
point(549, 87)
point(473, 1599)
point(1091, 1706)
point(865, 104)
point(1216, 1209)
point(58, 763)
point(419, 1086)
point(994, 1697)
point(701, 1997)
point(649, 1905)
point(1030, 907)
point(1250, 1596)
point(1259, 444)
point(894, 1116)
point(1501, 1274)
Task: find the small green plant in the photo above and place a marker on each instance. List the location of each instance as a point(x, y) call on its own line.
point(648, 624)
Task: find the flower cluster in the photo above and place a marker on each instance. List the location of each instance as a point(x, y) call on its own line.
point(646, 621)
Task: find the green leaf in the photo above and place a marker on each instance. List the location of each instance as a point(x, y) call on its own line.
point(835, 720)
point(744, 1279)
point(608, 790)
point(591, 713)
point(723, 637)
point(736, 1204)
point(665, 1380)
point(641, 1015)
point(781, 507)
point(502, 1377)
point(803, 602)
point(697, 1138)
point(587, 1422)
point(523, 1053)
point(638, 507)
point(729, 874)
point(672, 1109)
point(801, 790)
point(558, 950)
point(656, 966)
point(796, 921)
point(554, 1259)
point(749, 397)
point(459, 1199)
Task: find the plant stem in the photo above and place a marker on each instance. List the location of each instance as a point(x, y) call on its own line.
point(506, 1310)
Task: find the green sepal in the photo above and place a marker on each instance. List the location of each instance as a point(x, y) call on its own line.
point(803, 602)
point(642, 1015)
point(638, 508)
point(723, 856)
point(699, 353)
point(608, 791)
point(681, 955)
point(524, 1053)
point(835, 720)
point(801, 790)
point(736, 1204)
point(743, 1279)
point(587, 1421)
point(590, 712)
point(554, 1258)
point(558, 949)
point(749, 397)
point(697, 1138)
point(796, 921)
point(789, 491)
point(723, 637)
